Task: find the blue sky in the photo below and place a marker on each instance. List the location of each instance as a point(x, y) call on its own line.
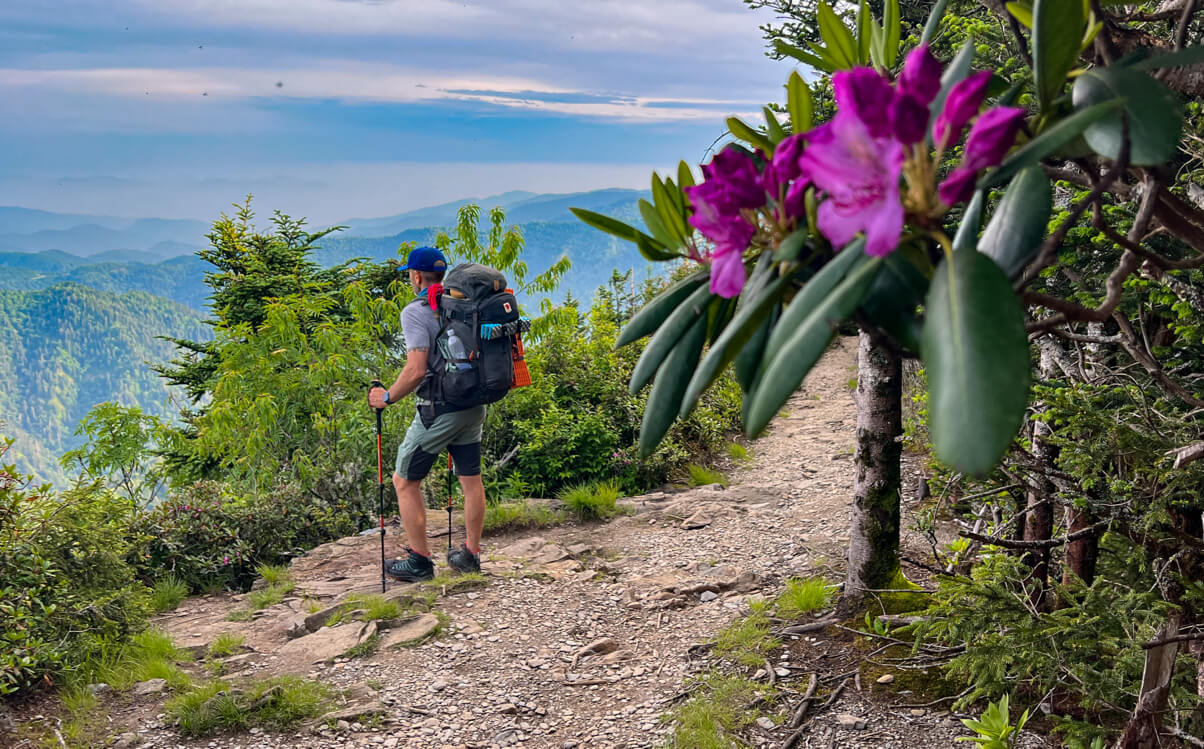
point(337, 108)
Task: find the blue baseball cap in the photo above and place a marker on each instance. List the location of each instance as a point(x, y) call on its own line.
point(426, 259)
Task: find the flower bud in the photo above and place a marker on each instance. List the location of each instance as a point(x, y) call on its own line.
point(958, 186)
point(960, 107)
point(921, 75)
point(991, 135)
point(908, 118)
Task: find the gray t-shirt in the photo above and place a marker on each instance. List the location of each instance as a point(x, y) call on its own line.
point(419, 325)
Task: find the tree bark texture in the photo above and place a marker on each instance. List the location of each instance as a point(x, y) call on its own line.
point(1038, 521)
point(1143, 727)
point(874, 537)
point(1082, 554)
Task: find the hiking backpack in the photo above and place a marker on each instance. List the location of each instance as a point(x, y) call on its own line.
point(478, 354)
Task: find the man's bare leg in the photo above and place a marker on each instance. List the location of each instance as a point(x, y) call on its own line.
point(474, 511)
point(413, 513)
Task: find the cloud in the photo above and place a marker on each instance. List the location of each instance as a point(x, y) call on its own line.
point(376, 83)
point(598, 25)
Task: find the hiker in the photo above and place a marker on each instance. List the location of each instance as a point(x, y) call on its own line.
point(457, 431)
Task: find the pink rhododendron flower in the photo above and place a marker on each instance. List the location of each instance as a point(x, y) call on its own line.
point(732, 185)
point(960, 107)
point(727, 273)
point(865, 94)
point(859, 174)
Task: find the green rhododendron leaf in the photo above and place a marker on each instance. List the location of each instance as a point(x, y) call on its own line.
point(1018, 226)
point(1153, 113)
point(1057, 34)
point(975, 353)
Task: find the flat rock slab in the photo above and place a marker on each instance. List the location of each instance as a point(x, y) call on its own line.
point(409, 630)
point(326, 644)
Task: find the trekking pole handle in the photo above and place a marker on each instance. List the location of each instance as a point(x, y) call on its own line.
point(379, 411)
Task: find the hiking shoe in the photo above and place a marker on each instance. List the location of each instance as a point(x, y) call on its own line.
point(463, 560)
point(413, 569)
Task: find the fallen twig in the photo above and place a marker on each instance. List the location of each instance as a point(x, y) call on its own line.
point(939, 700)
point(802, 629)
point(801, 711)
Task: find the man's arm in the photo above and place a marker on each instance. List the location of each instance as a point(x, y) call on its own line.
point(406, 382)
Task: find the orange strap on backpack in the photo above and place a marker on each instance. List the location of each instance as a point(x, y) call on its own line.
point(522, 377)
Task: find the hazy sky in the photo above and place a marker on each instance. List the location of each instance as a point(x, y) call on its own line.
point(341, 108)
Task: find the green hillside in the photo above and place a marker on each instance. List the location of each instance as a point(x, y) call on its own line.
point(69, 347)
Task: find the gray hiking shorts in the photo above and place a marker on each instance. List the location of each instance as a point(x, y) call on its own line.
point(458, 432)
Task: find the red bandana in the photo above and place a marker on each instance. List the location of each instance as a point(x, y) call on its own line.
point(432, 295)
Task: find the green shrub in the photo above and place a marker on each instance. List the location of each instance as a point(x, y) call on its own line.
point(67, 591)
point(219, 707)
point(803, 597)
point(592, 501)
point(577, 423)
point(702, 476)
point(208, 535)
point(167, 594)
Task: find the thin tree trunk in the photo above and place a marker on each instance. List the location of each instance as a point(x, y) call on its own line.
point(1038, 522)
point(1082, 554)
point(874, 536)
point(1142, 729)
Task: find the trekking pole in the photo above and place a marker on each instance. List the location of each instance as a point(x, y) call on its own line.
point(449, 501)
point(380, 482)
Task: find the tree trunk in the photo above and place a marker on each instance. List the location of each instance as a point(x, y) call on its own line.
point(1081, 554)
point(874, 536)
point(1038, 521)
point(1143, 727)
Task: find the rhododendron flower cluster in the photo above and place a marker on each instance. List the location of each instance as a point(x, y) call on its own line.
point(857, 163)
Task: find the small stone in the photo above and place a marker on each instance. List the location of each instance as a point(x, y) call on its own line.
point(343, 725)
point(850, 721)
point(917, 711)
point(99, 688)
point(150, 686)
point(765, 723)
point(886, 678)
point(708, 595)
point(127, 740)
point(782, 672)
point(508, 709)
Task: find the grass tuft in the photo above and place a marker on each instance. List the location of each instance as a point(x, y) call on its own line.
point(519, 515)
point(167, 594)
point(274, 704)
point(367, 607)
point(592, 501)
point(739, 453)
point(803, 597)
point(747, 641)
point(718, 712)
point(147, 655)
point(274, 574)
point(702, 476)
point(367, 647)
point(226, 644)
point(240, 615)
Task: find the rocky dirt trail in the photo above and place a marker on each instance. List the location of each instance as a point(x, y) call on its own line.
point(581, 635)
